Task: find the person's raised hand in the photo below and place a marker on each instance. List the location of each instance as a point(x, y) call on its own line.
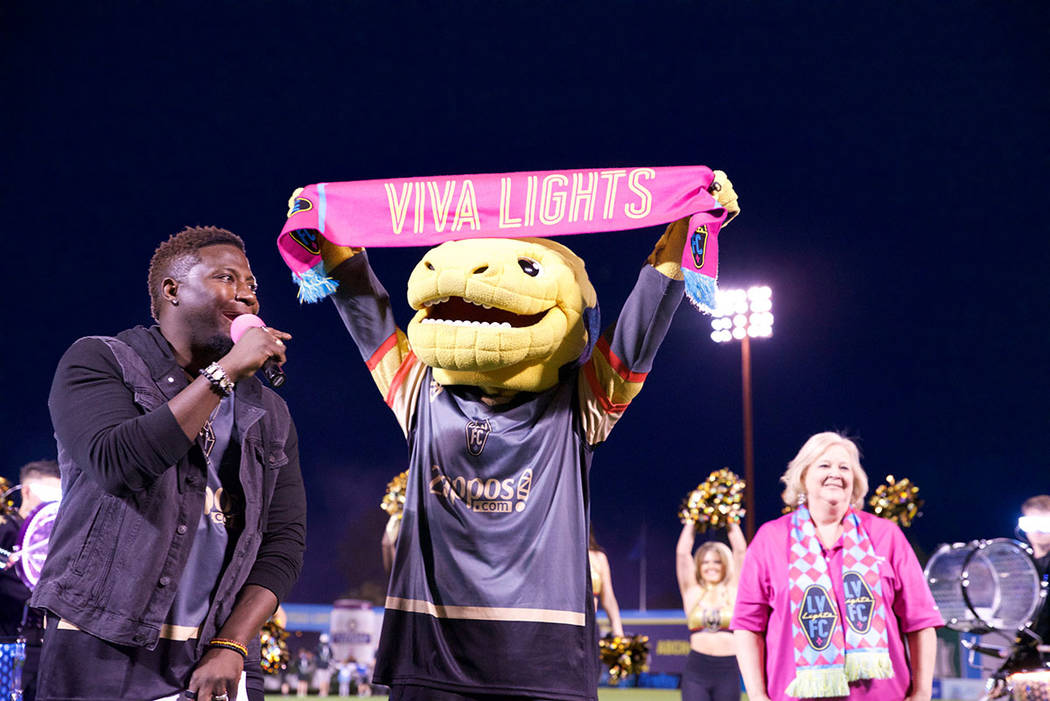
point(722, 189)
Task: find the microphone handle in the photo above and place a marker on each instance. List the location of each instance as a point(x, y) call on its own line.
point(273, 373)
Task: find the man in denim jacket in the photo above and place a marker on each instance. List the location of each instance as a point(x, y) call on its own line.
point(183, 519)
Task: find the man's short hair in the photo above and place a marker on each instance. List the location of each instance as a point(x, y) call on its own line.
point(43, 468)
point(1040, 502)
point(174, 257)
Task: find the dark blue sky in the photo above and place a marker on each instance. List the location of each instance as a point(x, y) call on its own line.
point(891, 161)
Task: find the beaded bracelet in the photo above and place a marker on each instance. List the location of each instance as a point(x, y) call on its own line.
point(228, 644)
point(220, 381)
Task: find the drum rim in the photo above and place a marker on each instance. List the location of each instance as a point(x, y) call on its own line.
point(981, 627)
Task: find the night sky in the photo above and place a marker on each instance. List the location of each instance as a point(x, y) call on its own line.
point(891, 161)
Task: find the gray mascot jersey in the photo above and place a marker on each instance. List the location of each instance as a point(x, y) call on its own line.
point(490, 588)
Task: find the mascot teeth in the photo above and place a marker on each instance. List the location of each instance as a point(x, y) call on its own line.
point(461, 322)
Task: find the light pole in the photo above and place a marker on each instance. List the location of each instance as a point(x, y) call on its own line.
point(742, 315)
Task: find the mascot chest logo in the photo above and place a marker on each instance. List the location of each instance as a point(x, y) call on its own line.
point(478, 431)
point(859, 602)
point(698, 245)
point(817, 616)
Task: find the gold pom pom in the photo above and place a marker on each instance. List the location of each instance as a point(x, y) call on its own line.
point(394, 499)
point(274, 647)
point(624, 655)
point(715, 503)
point(897, 500)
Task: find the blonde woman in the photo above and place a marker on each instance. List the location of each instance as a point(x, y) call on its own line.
point(708, 582)
point(830, 594)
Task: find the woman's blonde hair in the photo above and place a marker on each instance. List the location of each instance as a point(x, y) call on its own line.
point(812, 449)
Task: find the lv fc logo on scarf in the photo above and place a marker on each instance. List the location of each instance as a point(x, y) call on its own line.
point(860, 603)
point(817, 616)
point(307, 238)
point(698, 245)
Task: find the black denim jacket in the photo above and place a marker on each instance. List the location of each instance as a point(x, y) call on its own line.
point(133, 491)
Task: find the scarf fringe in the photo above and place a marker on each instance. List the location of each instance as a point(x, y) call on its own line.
point(314, 285)
point(818, 683)
point(700, 289)
point(868, 664)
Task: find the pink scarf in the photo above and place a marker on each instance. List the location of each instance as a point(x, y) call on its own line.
point(430, 210)
point(829, 655)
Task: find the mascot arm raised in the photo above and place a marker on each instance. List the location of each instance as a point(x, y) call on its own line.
point(364, 307)
point(623, 356)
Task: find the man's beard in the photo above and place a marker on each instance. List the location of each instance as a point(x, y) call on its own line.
point(213, 347)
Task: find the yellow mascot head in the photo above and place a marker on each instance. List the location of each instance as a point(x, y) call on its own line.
point(501, 314)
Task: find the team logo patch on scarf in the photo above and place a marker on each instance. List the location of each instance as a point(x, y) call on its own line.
point(429, 211)
point(817, 616)
point(860, 602)
point(827, 657)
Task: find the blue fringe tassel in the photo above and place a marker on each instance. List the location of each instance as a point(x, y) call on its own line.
point(314, 285)
point(700, 290)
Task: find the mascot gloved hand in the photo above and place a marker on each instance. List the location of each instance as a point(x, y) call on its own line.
point(667, 254)
point(503, 387)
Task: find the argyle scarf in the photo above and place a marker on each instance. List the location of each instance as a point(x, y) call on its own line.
point(826, 659)
point(431, 210)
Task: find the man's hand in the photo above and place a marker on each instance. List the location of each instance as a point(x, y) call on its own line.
point(218, 673)
point(256, 346)
point(722, 189)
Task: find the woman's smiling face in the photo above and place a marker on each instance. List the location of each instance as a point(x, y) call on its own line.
point(830, 477)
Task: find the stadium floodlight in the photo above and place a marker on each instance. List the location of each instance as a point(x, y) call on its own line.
point(750, 310)
point(742, 315)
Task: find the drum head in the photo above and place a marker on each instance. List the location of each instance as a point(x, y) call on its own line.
point(33, 542)
point(986, 585)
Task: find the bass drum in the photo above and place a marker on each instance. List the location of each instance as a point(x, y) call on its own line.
point(33, 541)
point(986, 585)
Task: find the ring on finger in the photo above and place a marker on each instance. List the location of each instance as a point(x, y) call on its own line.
point(278, 341)
point(220, 697)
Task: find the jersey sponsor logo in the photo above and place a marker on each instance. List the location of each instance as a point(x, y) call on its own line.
point(308, 239)
point(860, 602)
point(299, 204)
point(698, 245)
point(222, 508)
point(478, 431)
point(817, 616)
point(491, 496)
point(435, 389)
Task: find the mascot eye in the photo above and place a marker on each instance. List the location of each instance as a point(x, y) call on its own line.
point(530, 267)
point(429, 266)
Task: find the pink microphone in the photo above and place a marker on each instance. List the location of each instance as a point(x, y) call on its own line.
point(271, 370)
